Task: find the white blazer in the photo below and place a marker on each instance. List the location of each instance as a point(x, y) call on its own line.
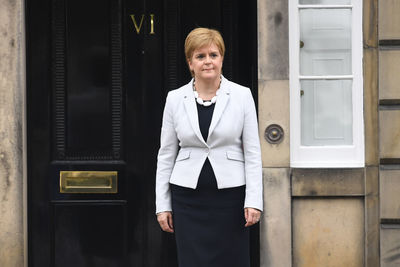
point(232, 147)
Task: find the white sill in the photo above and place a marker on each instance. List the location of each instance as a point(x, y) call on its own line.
point(316, 164)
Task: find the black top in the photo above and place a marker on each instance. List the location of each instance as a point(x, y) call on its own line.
point(205, 116)
point(207, 179)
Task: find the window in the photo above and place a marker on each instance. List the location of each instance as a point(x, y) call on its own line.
point(326, 91)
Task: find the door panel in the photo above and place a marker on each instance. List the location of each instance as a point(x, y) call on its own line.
point(90, 234)
point(98, 74)
point(90, 46)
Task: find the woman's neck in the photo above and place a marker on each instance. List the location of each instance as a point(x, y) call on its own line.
point(207, 89)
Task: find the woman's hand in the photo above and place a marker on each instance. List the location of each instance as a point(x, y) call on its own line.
point(252, 216)
point(165, 220)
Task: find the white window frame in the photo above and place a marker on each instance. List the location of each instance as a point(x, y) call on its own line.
point(343, 156)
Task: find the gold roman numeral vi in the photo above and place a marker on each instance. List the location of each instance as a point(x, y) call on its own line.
point(138, 26)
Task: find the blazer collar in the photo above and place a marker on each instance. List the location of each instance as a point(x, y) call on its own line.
point(191, 108)
point(222, 100)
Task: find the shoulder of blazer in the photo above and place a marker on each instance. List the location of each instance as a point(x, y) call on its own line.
point(238, 90)
point(181, 91)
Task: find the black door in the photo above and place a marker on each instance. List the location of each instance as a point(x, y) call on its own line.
point(98, 72)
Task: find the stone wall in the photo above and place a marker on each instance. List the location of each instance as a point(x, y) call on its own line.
point(12, 91)
point(273, 108)
point(389, 131)
point(316, 217)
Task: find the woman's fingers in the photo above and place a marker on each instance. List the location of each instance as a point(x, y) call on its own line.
point(252, 216)
point(165, 221)
point(170, 223)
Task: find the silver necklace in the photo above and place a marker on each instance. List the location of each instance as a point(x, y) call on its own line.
point(205, 103)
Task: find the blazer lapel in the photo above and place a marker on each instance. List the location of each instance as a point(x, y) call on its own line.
point(191, 109)
point(222, 100)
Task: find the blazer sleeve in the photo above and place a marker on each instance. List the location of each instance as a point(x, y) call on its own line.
point(166, 158)
point(252, 155)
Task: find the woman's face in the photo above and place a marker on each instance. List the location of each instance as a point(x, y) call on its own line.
point(206, 63)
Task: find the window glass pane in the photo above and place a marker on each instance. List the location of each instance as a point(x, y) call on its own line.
point(325, 2)
point(325, 42)
point(326, 112)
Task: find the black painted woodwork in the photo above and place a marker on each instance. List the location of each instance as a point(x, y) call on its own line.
point(95, 94)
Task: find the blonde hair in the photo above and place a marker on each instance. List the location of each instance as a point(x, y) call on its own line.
point(200, 37)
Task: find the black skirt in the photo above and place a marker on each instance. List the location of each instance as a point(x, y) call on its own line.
point(209, 224)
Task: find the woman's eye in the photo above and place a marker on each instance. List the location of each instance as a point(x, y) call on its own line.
point(200, 56)
point(214, 55)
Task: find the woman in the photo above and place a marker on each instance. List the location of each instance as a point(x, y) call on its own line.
point(209, 174)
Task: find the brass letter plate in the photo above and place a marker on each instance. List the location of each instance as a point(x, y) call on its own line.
point(100, 182)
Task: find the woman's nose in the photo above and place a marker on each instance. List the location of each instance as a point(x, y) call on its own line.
point(208, 59)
